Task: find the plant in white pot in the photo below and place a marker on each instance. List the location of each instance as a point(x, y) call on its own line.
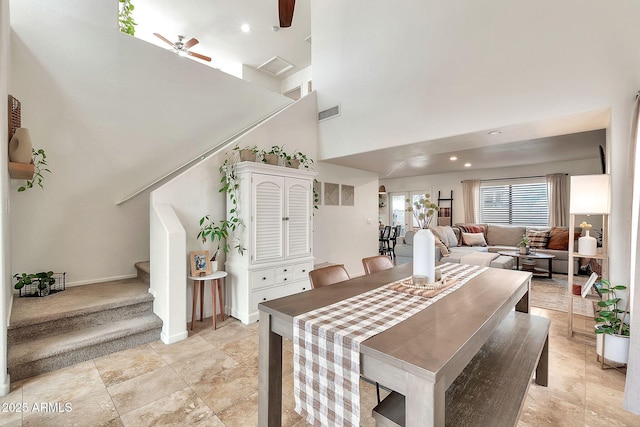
point(219, 231)
point(524, 245)
point(612, 332)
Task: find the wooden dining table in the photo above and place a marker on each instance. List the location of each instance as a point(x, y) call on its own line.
point(419, 357)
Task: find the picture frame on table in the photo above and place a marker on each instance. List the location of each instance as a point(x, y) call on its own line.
point(200, 264)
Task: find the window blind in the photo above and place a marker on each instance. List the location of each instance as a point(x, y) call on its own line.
point(517, 203)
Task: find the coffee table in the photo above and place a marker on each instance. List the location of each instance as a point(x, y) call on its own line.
point(517, 255)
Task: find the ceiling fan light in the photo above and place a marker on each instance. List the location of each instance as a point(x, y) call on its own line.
point(182, 53)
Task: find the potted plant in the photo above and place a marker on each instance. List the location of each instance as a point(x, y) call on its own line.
point(41, 283)
point(247, 154)
point(273, 156)
point(612, 332)
point(40, 166)
point(219, 231)
point(524, 245)
point(297, 159)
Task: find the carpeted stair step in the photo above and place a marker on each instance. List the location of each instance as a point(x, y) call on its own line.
point(143, 269)
point(46, 354)
point(79, 307)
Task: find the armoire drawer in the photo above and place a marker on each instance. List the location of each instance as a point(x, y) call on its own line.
point(301, 271)
point(263, 278)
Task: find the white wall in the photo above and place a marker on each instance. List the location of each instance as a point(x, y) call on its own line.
point(6, 294)
point(453, 181)
point(301, 78)
point(257, 77)
point(194, 193)
point(113, 114)
point(346, 234)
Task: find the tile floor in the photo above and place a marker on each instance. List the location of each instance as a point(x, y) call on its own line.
point(210, 379)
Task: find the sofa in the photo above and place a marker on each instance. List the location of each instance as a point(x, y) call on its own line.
point(470, 238)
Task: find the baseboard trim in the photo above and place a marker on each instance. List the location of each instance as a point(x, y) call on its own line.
point(101, 280)
point(5, 386)
point(174, 338)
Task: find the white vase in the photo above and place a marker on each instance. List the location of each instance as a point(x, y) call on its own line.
point(587, 245)
point(616, 347)
point(424, 259)
point(20, 146)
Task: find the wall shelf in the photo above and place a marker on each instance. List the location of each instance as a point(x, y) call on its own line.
point(21, 170)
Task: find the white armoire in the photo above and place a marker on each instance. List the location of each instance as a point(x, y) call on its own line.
point(276, 205)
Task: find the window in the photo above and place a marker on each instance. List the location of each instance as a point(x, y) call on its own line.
point(521, 202)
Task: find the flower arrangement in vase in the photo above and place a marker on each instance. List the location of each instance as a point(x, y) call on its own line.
point(423, 210)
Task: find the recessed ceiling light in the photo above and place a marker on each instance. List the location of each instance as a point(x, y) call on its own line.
point(495, 132)
point(467, 165)
point(453, 158)
point(245, 28)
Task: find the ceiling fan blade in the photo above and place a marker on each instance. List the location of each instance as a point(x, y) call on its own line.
point(285, 11)
point(197, 55)
point(191, 43)
point(163, 39)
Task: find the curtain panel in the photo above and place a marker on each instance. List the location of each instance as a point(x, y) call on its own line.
point(558, 197)
point(471, 199)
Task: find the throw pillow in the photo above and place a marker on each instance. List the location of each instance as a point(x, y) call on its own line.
point(538, 239)
point(451, 236)
point(559, 238)
point(444, 251)
point(474, 228)
point(438, 233)
point(474, 239)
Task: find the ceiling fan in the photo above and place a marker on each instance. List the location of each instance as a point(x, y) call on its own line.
point(285, 11)
point(183, 47)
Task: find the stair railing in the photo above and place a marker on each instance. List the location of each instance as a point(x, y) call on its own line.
point(214, 150)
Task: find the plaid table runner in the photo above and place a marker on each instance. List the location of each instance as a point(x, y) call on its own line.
point(326, 346)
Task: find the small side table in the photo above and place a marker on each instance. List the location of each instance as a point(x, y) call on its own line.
point(216, 277)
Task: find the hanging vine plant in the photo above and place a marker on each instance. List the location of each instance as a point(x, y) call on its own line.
point(125, 18)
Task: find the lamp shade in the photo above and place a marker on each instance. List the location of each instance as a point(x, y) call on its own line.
point(382, 190)
point(590, 194)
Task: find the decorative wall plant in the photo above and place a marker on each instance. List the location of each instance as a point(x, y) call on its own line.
point(125, 18)
point(40, 164)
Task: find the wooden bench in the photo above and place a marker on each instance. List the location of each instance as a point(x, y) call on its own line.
point(491, 389)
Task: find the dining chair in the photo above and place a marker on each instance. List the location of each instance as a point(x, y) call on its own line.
point(384, 240)
point(328, 275)
point(394, 239)
point(376, 263)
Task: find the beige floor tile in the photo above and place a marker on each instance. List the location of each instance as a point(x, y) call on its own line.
point(181, 408)
point(230, 330)
point(95, 409)
point(244, 351)
point(545, 409)
point(124, 365)
point(245, 413)
point(144, 389)
point(184, 349)
point(62, 385)
point(195, 368)
point(11, 406)
point(227, 387)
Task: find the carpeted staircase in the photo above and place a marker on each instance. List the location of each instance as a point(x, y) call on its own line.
point(79, 324)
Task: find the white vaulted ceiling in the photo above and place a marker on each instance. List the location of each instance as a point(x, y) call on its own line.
point(217, 26)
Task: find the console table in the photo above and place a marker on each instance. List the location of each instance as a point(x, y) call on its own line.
point(419, 357)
